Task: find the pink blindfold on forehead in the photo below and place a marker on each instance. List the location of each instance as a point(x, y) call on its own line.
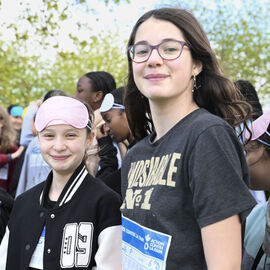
point(61, 110)
point(259, 126)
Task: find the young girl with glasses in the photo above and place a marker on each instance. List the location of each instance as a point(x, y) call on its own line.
point(71, 220)
point(185, 182)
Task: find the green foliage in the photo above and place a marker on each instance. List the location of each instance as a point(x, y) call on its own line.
point(240, 37)
point(22, 77)
point(25, 74)
point(94, 55)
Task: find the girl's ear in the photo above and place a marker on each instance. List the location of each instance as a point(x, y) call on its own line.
point(98, 96)
point(197, 67)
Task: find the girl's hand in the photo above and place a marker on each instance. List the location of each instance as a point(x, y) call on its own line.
point(18, 152)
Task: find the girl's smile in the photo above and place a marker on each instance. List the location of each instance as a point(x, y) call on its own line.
point(63, 147)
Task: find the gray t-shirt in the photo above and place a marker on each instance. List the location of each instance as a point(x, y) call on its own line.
point(194, 176)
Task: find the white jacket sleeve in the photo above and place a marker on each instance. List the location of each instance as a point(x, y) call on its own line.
point(108, 256)
point(3, 250)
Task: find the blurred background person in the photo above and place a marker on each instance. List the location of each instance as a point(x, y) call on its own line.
point(115, 129)
point(8, 149)
point(91, 88)
point(257, 232)
point(16, 114)
point(250, 95)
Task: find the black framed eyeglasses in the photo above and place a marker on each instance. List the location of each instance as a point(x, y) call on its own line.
point(169, 49)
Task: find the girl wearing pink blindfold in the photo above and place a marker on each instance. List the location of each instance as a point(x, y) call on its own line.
point(257, 233)
point(71, 220)
point(258, 152)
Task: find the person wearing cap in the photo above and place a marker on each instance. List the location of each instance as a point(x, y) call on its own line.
point(115, 130)
point(257, 232)
point(15, 115)
point(71, 220)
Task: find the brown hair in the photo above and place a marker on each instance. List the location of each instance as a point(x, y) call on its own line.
point(7, 132)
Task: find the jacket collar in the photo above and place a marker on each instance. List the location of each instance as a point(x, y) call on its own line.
point(70, 188)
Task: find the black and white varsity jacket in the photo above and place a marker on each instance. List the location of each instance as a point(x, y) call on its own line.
point(83, 229)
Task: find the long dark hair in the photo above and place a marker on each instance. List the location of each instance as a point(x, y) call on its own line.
point(250, 95)
point(7, 132)
point(217, 93)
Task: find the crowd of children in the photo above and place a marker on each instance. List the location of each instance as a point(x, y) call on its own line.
point(161, 173)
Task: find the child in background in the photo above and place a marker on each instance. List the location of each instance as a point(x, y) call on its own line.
point(257, 232)
point(72, 220)
point(8, 150)
point(250, 95)
point(91, 89)
point(93, 86)
point(116, 130)
point(15, 114)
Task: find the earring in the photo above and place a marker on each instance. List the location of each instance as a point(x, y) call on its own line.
point(195, 87)
point(194, 83)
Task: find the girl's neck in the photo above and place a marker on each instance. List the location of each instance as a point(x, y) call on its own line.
point(130, 138)
point(167, 115)
point(58, 183)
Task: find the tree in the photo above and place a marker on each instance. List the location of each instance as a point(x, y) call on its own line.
point(26, 74)
point(240, 36)
point(20, 79)
point(96, 54)
point(241, 39)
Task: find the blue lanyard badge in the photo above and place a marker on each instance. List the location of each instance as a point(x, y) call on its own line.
point(143, 248)
point(37, 257)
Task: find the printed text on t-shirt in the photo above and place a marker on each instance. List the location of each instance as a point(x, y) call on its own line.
point(149, 173)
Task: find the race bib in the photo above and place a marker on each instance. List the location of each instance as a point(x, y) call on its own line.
point(143, 248)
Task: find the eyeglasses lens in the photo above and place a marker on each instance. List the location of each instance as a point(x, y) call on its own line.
point(168, 50)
